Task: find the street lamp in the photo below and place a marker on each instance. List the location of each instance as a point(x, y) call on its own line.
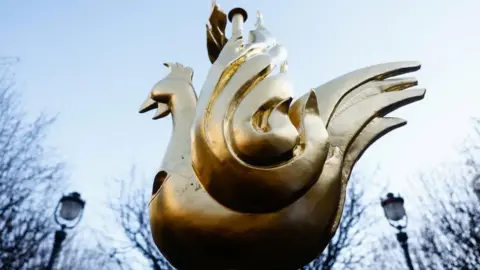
point(67, 214)
point(397, 217)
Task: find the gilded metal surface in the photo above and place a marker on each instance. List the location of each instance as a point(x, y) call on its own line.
point(250, 179)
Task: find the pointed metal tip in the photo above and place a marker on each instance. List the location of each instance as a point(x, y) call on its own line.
point(312, 103)
point(259, 19)
point(284, 67)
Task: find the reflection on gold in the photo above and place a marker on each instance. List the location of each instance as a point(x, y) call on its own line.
point(250, 179)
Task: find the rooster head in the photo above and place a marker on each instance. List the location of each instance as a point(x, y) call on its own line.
point(160, 98)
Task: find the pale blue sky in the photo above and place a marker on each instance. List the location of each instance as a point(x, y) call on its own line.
point(94, 62)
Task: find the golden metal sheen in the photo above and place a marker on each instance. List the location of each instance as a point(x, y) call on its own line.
point(252, 179)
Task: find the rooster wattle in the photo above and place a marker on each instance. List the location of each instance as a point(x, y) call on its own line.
point(251, 180)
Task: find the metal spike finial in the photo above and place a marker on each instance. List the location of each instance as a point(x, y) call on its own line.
point(259, 22)
point(284, 67)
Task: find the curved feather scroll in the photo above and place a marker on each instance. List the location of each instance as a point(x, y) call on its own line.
point(362, 98)
point(254, 140)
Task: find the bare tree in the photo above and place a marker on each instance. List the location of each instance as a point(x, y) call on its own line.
point(449, 237)
point(76, 254)
point(341, 253)
point(24, 172)
point(387, 254)
point(25, 175)
point(131, 209)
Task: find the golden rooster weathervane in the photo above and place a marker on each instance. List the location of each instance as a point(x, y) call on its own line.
point(250, 179)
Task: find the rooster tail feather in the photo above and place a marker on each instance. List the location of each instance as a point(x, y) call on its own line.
point(333, 93)
point(360, 114)
point(354, 107)
point(373, 131)
point(216, 38)
point(372, 88)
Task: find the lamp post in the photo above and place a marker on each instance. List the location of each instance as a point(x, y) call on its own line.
point(67, 214)
point(397, 217)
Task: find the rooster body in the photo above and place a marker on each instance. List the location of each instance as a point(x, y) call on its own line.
point(251, 180)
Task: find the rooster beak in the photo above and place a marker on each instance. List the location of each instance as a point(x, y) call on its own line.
point(150, 104)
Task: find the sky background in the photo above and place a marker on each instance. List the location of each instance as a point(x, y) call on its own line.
point(93, 63)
